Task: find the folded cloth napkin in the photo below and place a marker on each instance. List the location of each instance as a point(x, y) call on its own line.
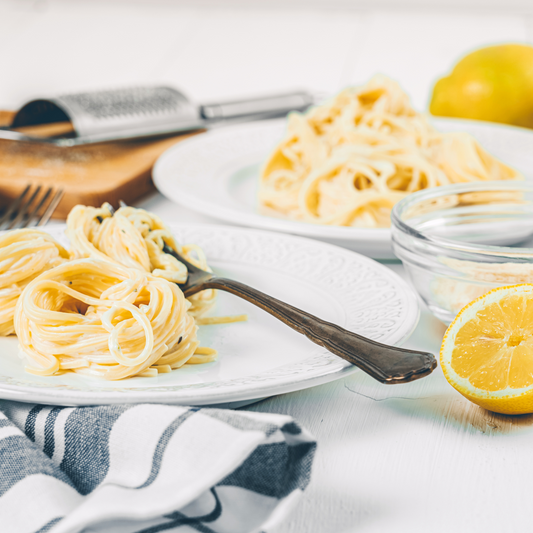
point(148, 468)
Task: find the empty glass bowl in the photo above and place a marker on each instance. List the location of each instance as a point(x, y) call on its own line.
point(459, 241)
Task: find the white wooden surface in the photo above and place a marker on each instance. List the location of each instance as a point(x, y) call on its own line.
point(414, 458)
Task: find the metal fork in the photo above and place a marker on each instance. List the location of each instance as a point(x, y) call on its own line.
point(33, 207)
point(387, 364)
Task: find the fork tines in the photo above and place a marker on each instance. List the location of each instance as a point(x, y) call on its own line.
point(33, 207)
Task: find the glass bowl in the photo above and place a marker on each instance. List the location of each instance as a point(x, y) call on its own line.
point(459, 241)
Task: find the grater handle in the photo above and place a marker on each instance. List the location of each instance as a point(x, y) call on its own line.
point(277, 105)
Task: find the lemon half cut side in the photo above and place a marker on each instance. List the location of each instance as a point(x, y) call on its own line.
point(487, 351)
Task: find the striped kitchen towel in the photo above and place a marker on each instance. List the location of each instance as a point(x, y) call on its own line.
point(148, 468)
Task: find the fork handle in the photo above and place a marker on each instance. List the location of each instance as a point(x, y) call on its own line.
point(387, 364)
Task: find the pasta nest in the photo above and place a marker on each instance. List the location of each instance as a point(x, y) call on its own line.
point(136, 239)
point(101, 319)
point(24, 254)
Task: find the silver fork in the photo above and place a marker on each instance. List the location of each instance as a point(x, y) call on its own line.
point(387, 364)
point(33, 207)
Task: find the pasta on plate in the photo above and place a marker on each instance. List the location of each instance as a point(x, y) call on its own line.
point(110, 307)
point(101, 319)
point(348, 162)
point(136, 239)
point(24, 254)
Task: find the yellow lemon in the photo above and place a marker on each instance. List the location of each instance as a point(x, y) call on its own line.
point(493, 83)
point(487, 352)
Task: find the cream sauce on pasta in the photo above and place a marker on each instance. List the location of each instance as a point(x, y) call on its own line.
point(111, 306)
point(348, 162)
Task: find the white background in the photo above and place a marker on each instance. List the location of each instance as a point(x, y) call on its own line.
point(215, 50)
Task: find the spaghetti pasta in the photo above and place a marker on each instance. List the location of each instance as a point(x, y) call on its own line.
point(136, 239)
point(101, 319)
point(110, 307)
point(349, 161)
point(24, 254)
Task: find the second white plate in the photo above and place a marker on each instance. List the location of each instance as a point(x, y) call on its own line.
point(261, 357)
point(217, 174)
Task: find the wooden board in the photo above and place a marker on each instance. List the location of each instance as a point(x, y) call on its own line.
point(89, 175)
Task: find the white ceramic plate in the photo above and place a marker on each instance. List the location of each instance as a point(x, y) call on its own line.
point(217, 174)
point(261, 357)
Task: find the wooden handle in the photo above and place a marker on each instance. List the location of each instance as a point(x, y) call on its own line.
point(387, 364)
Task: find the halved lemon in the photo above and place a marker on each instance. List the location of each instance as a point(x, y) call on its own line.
point(487, 352)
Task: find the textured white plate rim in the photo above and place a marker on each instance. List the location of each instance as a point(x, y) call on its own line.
point(329, 367)
point(380, 237)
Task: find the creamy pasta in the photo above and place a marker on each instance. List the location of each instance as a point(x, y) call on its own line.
point(24, 254)
point(110, 307)
point(348, 162)
point(101, 319)
point(136, 239)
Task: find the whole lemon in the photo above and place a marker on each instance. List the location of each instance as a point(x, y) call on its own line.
point(493, 83)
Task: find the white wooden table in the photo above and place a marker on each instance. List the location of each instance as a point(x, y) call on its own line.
point(414, 458)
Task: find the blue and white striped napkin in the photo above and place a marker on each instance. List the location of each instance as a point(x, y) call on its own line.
point(148, 468)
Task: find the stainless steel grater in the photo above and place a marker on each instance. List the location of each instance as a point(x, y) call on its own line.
point(137, 112)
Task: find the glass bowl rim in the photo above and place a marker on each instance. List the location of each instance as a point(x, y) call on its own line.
point(450, 244)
